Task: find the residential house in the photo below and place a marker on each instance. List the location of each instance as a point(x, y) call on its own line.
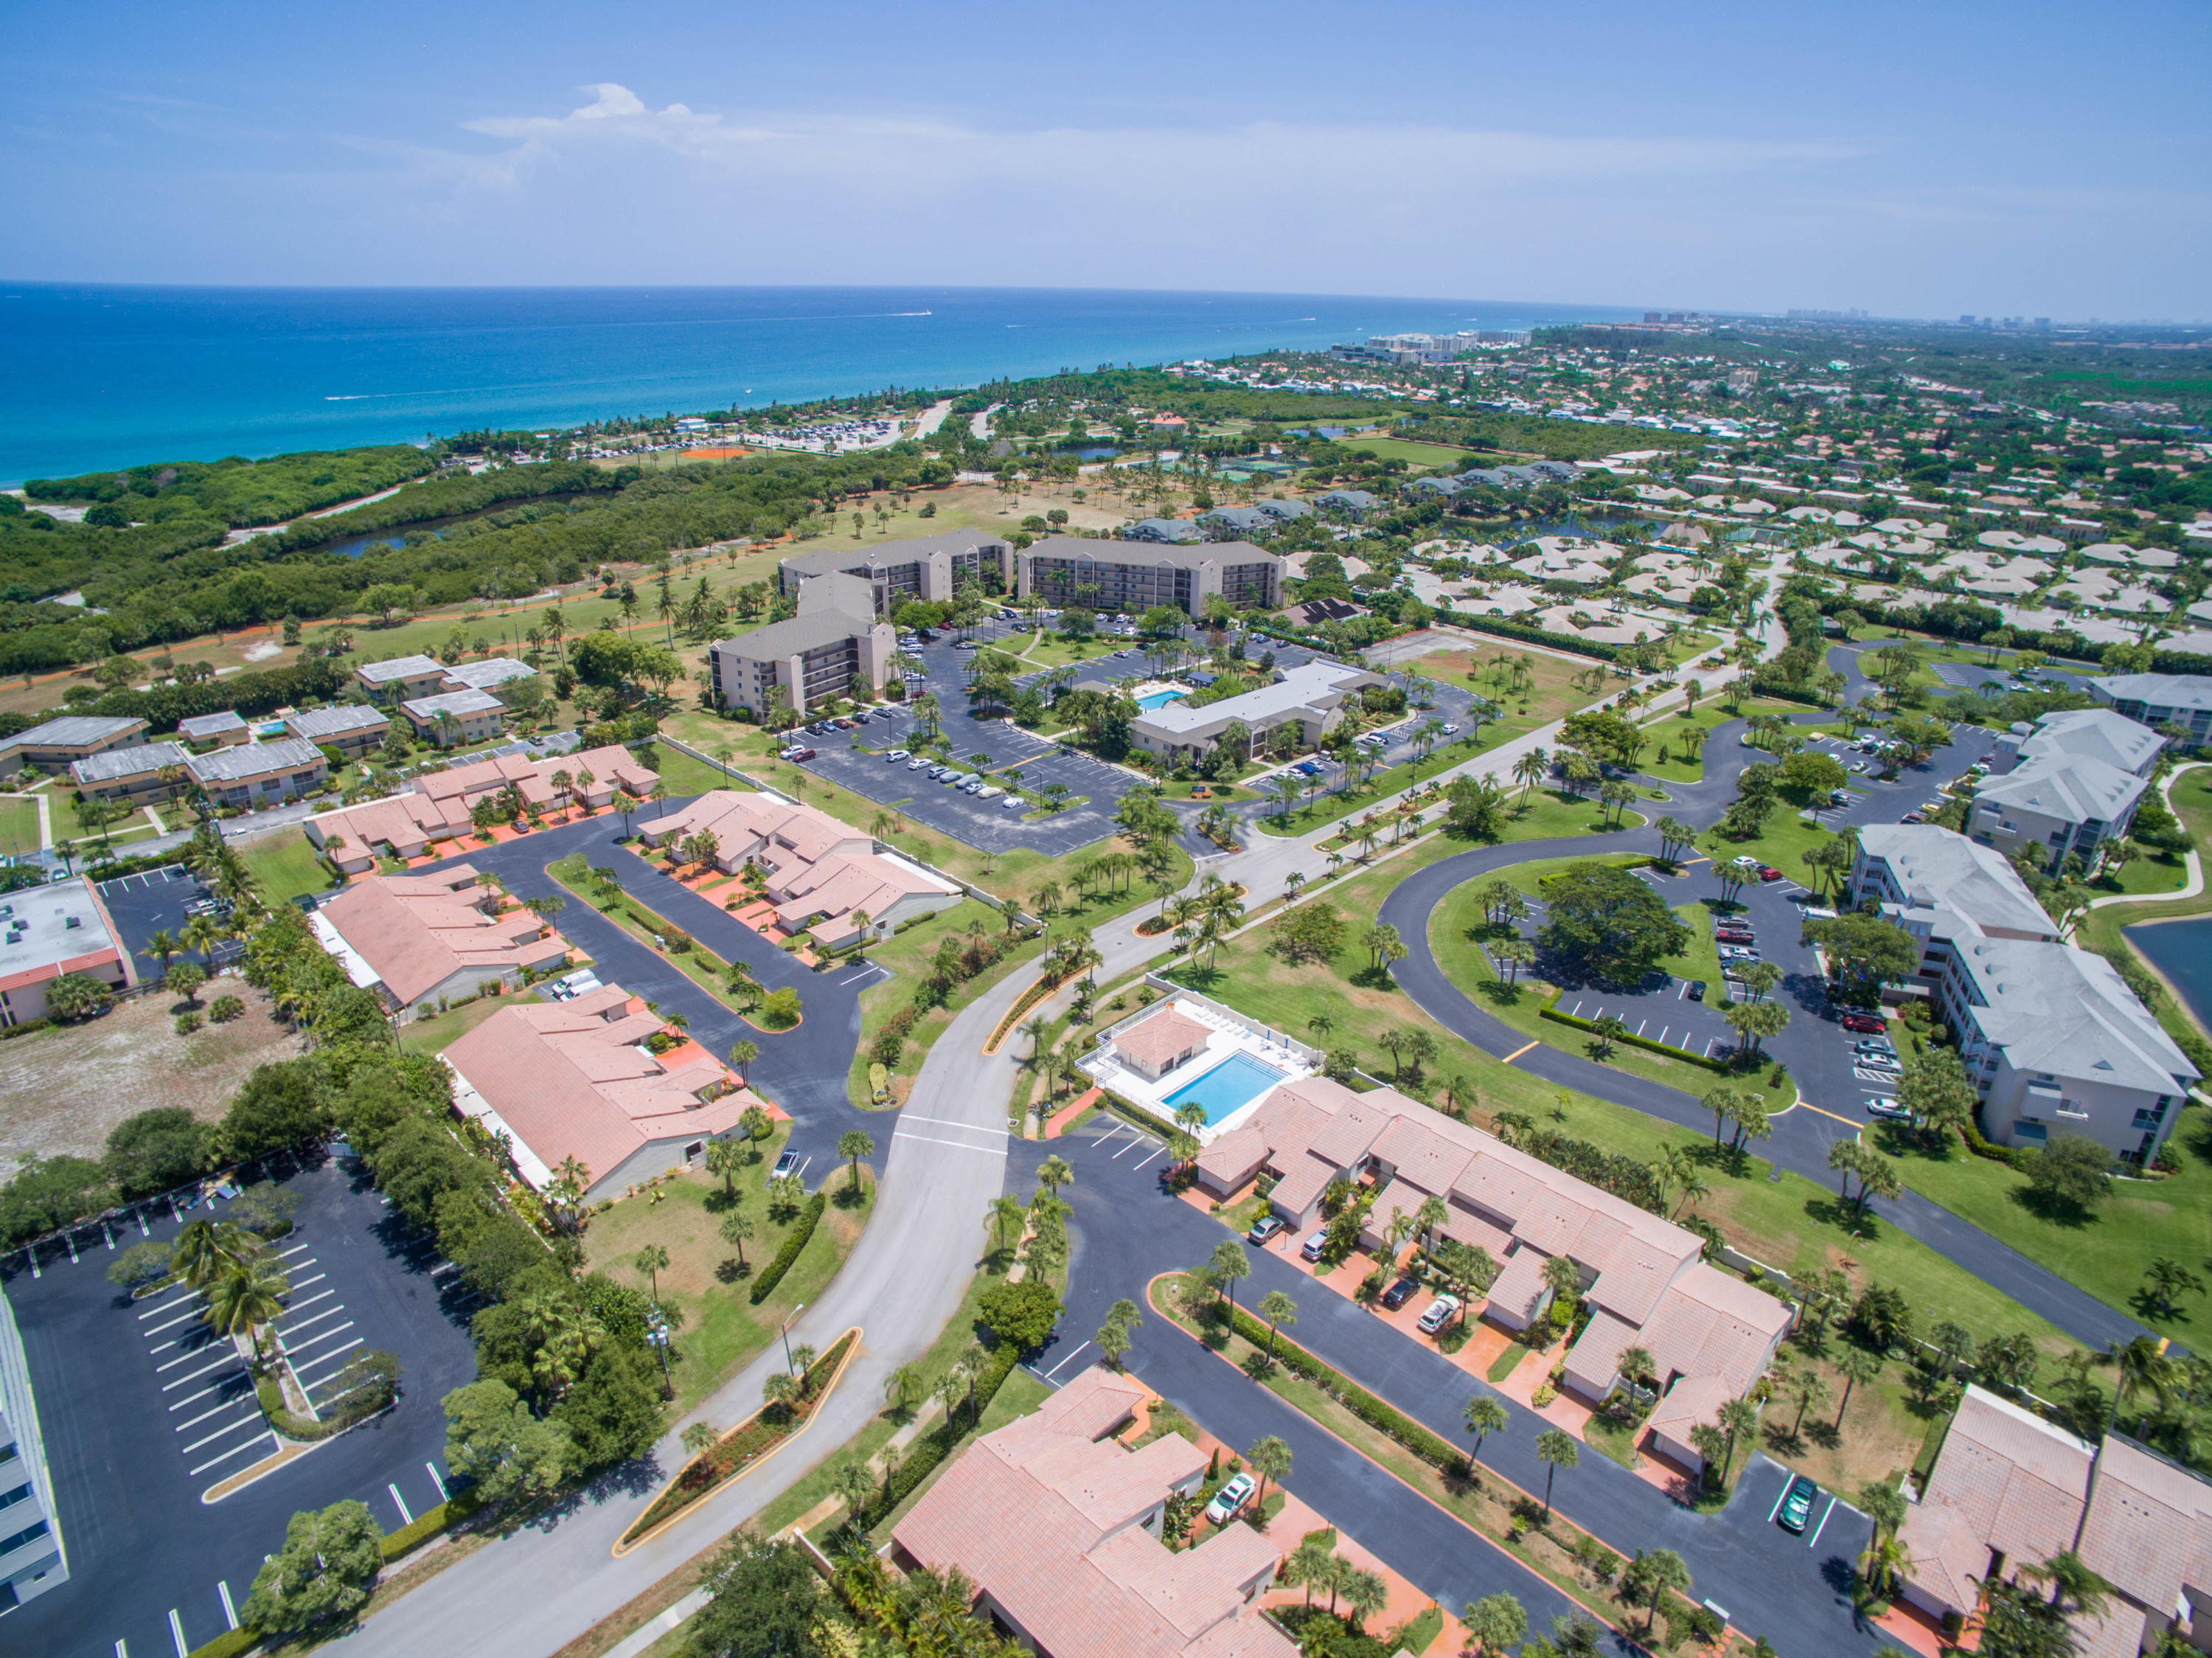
point(820, 874)
point(1133, 577)
point(255, 774)
point(1643, 1278)
point(1162, 529)
point(836, 643)
point(2010, 1490)
point(352, 729)
point(1058, 1526)
point(2051, 1036)
point(579, 1079)
point(2158, 699)
point(436, 806)
point(57, 744)
point(1310, 697)
point(223, 727)
point(45, 932)
point(1356, 503)
point(456, 719)
point(1285, 512)
point(132, 774)
point(1233, 523)
point(420, 941)
point(930, 568)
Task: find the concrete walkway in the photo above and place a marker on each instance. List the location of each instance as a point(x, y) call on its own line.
point(2195, 864)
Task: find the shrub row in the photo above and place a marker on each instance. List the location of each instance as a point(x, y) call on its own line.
point(1027, 999)
point(801, 1230)
point(933, 1448)
point(432, 1522)
point(231, 1643)
point(1631, 1039)
point(1534, 636)
point(1432, 1449)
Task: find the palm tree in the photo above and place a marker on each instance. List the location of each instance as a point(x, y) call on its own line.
point(853, 1145)
point(1035, 1028)
point(737, 1227)
point(1495, 1623)
point(1531, 769)
point(1309, 1566)
point(1659, 1571)
point(1885, 1560)
point(1485, 1416)
point(162, 946)
point(1739, 1419)
point(779, 1392)
point(1054, 1173)
point(1858, 1366)
point(742, 1055)
point(1228, 1264)
point(1364, 1592)
point(1556, 1449)
point(1278, 1309)
point(247, 1298)
point(205, 1249)
point(724, 1157)
point(1270, 1458)
point(1004, 1214)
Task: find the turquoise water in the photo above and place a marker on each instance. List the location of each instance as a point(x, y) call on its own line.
point(1237, 1081)
point(113, 376)
point(2182, 950)
point(1159, 699)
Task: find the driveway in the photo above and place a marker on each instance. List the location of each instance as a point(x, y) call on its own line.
point(143, 1411)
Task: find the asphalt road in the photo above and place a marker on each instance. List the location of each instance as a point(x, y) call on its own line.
point(143, 1410)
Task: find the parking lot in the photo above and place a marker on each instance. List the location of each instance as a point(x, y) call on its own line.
point(144, 1410)
point(160, 900)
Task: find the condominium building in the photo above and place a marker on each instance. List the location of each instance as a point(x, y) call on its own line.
point(422, 941)
point(224, 726)
point(1310, 697)
point(31, 1558)
point(48, 931)
point(401, 677)
point(837, 638)
point(2069, 783)
point(132, 774)
point(2157, 700)
point(455, 719)
point(260, 773)
point(1133, 576)
point(57, 744)
point(932, 568)
point(2052, 1039)
point(436, 806)
point(352, 729)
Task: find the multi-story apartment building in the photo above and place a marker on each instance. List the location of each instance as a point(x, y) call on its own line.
point(1133, 576)
point(352, 729)
point(836, 638)
point(132, 774)
point(931, 568)
point(2052, 1039)
point(260, 773)
point(59, 743)
point(31, 1558)
point(453, 718)
point(2156, 699)
point(2071, 784)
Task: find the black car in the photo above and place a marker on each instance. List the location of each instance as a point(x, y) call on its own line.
point(1399, 1294)
point(1697, 989)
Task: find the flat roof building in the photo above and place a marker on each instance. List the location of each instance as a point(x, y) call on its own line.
point(401, 677)
point(453, 719)
point(422, 941)
point(261, 773)
point(53, 745)
point(931, 568)
point(127, 774)
point(1135, 576)
point(223, 726)
point(352, 729)
point(837, 637)
point(576, 1079)
point(489, 675)
point(2051, 1036)
point(2156, 699)
point(1310, 697)
point(48, 931)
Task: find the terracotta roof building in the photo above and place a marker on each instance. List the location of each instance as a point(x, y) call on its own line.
point(820, 872)
point(2010, 1489)
point(1156, 1045)
point(576, 1079)
point(1059, 1527)
point(436, 806)
point(420, 941)
point(1643, 1277)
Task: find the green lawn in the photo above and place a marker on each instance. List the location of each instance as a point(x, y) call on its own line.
point(19, 828)
point(1422, 454)
point(435, 1034)
point(1665, 732)
point(2146, 873)
point(2105, 928)
point(722, 1330)
point(908, 955)
point(286, 866)
point(1789, 1223)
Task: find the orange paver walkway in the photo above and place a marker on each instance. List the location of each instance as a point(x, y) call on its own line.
point(1914, 1631)
point(1056, 1124)
point(1295, 1522)
point(1527, 1376)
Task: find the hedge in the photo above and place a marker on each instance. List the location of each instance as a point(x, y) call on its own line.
point(231, 1643)
point(1535, 635)
point(772, 1274)
point(306, 1430)
point(1550, 1010)
point(1432, 1449)
point(431, 1523)
point(931, 1448)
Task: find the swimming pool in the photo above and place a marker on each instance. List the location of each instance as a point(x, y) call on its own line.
point(1159, 699)
point(1236, 1082)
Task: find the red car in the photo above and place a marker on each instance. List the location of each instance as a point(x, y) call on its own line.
point(803, 755)
point(1768, 872)
point(1865, 1024)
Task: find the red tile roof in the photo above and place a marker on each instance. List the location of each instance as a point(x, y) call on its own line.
point(1166, 1035)
point(416, 932)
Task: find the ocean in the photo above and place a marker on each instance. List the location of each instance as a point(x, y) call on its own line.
point(115, 376)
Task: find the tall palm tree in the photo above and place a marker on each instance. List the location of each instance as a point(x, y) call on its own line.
point(246, 1298)
point(1003, 1214)
point(204, 1249)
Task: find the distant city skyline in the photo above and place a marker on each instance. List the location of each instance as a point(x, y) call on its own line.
point(1925, 162)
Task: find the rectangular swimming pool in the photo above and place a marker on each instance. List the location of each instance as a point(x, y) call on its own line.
point(1234, 1082)
point(1153, 700)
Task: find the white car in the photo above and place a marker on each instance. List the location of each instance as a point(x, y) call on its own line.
point(1885, 1105)
point(916, 764)
point(1230, 1498)
point(896, 755)
point(1012, 802)
point(1438, 1315)
point(1450, 731)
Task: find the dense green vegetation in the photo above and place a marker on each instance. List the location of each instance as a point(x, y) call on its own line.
point(235, 492)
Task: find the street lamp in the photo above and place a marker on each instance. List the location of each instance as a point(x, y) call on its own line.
point(785, 1333)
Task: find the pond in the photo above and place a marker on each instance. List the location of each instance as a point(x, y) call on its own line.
point(2182, 950)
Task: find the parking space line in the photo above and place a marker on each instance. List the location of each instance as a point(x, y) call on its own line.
point(212, 1411)
point(228, 1358)
point(222, 1433)
point(315, 1341)
point(237, 1451)
point(181, 1317)
point(326, 1359)
point(320, 1295)
point(318, 1319)
point(183, 1358)
point(1062, 1365)
point(1140, 1140)
point(1814, 1542)
point(177, 1634)
point(1778, 1496)
point(229, 1611)
point(1117, 1127)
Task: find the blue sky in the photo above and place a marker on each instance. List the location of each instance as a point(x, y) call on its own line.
point(1922, 159)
